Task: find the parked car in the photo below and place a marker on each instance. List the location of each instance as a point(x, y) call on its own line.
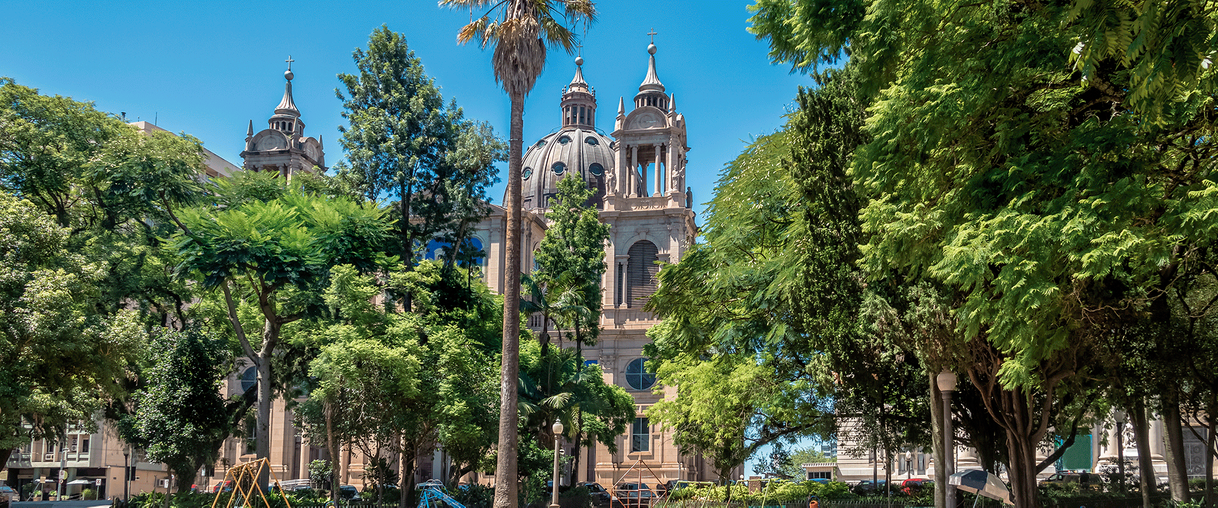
point(868, 487)
point(224, 486)
point(914, 486)
point(600, 496)
point(348, 493)
point(632, 495)
point(8, 495)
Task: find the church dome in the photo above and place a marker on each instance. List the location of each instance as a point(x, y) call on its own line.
point(572, 150)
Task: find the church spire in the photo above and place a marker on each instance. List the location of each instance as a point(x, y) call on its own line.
point(287, 106)
point(651, 92)
point(579, 100)
point(287, 118)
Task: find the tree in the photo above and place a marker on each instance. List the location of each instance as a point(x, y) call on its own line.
point(403, 142)
point(180, 418)
point(114, 188)
point(60, 355)
point(520, 34)
point(275, 255)
point(571, 257)
point(1053, 202)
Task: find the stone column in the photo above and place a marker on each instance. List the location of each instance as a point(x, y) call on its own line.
point(1156, 440)
point(634, 168)
point(622, 263)
point(659, 175)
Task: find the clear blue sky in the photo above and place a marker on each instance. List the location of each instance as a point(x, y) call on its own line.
point(209, 67)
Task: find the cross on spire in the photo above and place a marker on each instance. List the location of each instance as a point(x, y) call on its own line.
point(289, 61)
point(579, 49)
point(653, 34)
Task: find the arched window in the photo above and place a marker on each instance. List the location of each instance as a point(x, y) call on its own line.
point(641, 272)
point(558, 168)
point(249, 378)
point(596, 168)
point(564, 140)
point(591, 141)
point(637, 376)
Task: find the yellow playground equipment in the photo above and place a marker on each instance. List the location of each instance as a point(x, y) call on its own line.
point(243, 480)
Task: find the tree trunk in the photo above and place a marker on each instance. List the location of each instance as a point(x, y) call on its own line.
point(332, 450)
point(1211, 426)
point(1177, 474)
point(936, 426)
point(1146, 468)
point(577, 450)
point(1022, 470)
point(262, 446)
point(409, 450)
point(506, 479)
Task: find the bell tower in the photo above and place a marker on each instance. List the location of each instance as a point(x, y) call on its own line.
point(282, 147)
point(651, 147)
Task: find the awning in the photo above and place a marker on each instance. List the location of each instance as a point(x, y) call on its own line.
point(79, 481)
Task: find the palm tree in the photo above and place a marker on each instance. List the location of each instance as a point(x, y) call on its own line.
point(519, 30)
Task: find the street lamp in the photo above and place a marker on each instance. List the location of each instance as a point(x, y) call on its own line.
point(947, 384)
point(126, 473)
point(557, 428)
point(1121, 418)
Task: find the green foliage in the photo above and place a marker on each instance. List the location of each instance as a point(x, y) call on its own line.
point(403, 142)
point(775, 491)
point(320, 472)
point(60, 353)
point(1047, 195)
point(180, 418)
point(765, 309)
point(571, 259)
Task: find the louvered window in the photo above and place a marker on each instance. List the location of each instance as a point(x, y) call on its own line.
point(641, 273)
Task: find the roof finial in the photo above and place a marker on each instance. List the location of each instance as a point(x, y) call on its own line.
point(289, 61)
point(652, 33)
point(288, 73)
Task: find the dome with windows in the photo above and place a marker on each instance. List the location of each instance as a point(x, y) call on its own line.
point(570, 151)
point(575, 149)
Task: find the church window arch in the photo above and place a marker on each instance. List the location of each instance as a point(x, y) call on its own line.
point(596, 168)
point(641, 270)
point(564, 140)
point(249, 378)
point(591, 141)
point(559, 167)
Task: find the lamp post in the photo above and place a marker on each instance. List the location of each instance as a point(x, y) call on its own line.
point(1120, 418)
point(126, 473)
point(947, 384)
point(557, 428)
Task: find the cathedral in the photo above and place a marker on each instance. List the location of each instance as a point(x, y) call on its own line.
point(637, 173)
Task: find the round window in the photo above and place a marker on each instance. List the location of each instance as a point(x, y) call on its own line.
point(564, 140)
point(524, 175)
point(591, 141)
point(558, 168)
point(541, 142)
point(596, 168)
point(637, 377)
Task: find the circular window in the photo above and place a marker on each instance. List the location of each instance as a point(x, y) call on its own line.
point(558, 168)
point(637, 377)
point(524, 175)
point(249, 378)
point(597, 169)
point(564, 140)
point(591, 141)
point(541, 142)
